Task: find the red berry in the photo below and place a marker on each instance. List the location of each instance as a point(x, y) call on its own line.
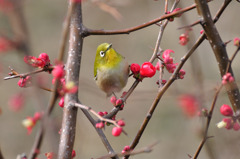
point(116, 131)
point(226, 110)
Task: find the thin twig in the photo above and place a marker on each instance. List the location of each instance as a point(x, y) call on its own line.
point(209, 117)
point(146, 149)
point(17, 75)
point(166, 6)
point(73, 64)
point(114, 122)
point(231, 59)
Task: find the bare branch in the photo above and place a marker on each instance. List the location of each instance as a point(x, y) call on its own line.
point(219, 49)
point(72, 74)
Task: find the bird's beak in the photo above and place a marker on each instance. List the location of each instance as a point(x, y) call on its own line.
point(109, 47)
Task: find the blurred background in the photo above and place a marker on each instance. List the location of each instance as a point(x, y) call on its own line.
point(178, 135)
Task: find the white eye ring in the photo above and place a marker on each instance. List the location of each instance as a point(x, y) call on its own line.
point(102, 53)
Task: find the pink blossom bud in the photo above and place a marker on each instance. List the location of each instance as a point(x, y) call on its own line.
point(61, 102)
point(101, 113)
point(135, 68)
point(226, 110)
point(183, 39)
point(113, 100)
point(121, 123)
point(116, 131)
point(45, 58)
point(228, 122)
point(73, 154)
point(181, 74)
point(37, 116)
point(126, 149)
point(119, 102)
point(166, 53)
point(58, 71)
point(236, 126)
point(236, 41)
point(100, 125)
point(147, 69)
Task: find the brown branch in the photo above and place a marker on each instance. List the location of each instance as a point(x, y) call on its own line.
point(18, 75)
point(200, 147)
point(132, 29)
point(209, 117)
point(219, 49)
point(219, 13)
point(72, 74)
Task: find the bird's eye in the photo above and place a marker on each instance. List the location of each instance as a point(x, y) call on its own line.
point(102, 53)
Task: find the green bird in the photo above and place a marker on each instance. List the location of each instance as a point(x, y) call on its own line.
point(111, 70)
